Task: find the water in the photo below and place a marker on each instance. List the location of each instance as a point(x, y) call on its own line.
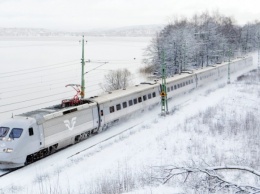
point(34, 71)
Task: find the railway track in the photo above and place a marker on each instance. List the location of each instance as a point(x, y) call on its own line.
point(104, 140)
point(6, 172)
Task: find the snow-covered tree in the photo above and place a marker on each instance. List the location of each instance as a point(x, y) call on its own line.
point(117, 79)
point(203, 40)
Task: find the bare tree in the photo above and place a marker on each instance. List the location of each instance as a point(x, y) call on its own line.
point(208, 179)
point(117, 79)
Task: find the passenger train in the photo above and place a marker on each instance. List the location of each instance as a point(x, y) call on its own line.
point(33, 135)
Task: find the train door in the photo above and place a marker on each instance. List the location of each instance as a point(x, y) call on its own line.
point(196, 80)
point(102, 115)
point(96, 117)
point(41, 136)
point(34, 142)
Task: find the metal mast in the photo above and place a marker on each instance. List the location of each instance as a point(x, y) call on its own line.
point(184, 56)
point(229, 53)
point(164, 100)
point(82, 71)
point(258, 52)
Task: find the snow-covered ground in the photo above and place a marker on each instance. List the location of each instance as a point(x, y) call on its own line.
point(212, 125)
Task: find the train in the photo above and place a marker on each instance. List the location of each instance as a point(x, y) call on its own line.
point(28, 137)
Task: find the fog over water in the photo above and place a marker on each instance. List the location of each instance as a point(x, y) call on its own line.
point(35, 70)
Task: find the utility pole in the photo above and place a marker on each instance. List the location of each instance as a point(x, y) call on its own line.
point(184, 57)
point(229, 53)
point(258, 53)
point(175, 58)
point(164, 100)
point(223, 55)
point(82, 71)
point(207, 50)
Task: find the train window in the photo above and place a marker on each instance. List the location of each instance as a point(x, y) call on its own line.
point(101, 113)
point(187, 82)
point(180, 84)
point(112, 109)
point(135, 101)
point(149, 96)
point(183, 84)
point(16, 133)
point(124, 104)
point(192, 81)
point(168, 89)
point(144, 98)
point(30, 131)
point(118, 107)
point(3, 131)
point(154, 94)
point(130, 102)
point(139, 99)
point(175, 87)
point(171, 88)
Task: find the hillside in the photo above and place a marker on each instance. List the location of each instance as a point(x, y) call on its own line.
point(132, 31)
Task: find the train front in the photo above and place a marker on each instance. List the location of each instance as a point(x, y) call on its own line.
point(11, 143)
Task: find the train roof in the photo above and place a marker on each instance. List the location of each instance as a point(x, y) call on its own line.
point(148, 85)
point(125, 92)
point(198, 71)
point(50, 112)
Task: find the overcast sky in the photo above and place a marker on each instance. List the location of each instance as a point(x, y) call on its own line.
point(79, 15)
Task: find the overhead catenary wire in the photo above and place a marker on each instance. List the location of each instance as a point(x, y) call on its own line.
point(10, 110)
point(40, 67)
point(36, 71)
point(34, 99)
point(15, 75)
point(37, 91)
point(53, 82)
point(60, 65)
point(37, 45)
point(41, 76)
point(100, 89)
point(45, 84)
point(53, 88)
point(30, 106)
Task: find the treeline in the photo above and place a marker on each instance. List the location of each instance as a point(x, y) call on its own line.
point(203, 40)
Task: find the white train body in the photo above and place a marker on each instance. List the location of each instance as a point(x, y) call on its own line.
point(34, 135)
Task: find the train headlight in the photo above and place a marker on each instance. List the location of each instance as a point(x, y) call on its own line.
point(8, 150)
point(6, 139)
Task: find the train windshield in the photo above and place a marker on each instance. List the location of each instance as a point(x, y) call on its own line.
point(16, 133)
point(3, 131)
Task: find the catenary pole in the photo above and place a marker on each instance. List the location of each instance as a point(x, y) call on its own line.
point(229, 53)
point(164, 101)
point(258, 52)
point(82, 71)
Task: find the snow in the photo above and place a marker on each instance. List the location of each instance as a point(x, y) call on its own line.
point(145, 140)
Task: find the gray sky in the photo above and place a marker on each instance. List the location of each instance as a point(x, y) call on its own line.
point(78, 15)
